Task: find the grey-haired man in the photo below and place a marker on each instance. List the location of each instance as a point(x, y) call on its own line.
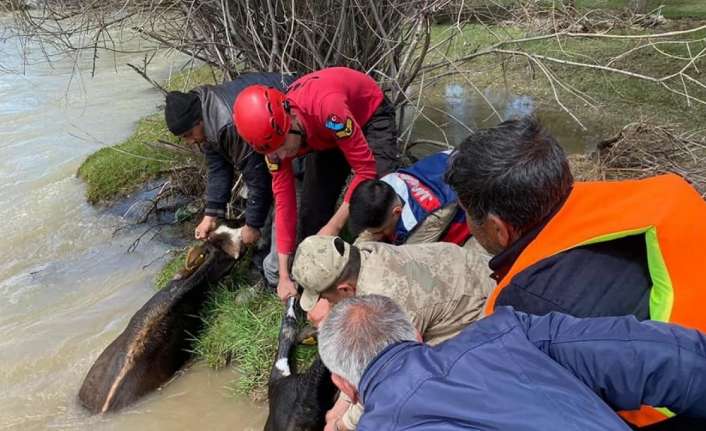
point(513, 371)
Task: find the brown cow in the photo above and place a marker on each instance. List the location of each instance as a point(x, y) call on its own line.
point(159, 337)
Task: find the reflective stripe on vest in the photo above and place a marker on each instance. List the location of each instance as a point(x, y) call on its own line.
point(661, 293)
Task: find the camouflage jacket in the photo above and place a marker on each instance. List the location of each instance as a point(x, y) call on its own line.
point(441, 286)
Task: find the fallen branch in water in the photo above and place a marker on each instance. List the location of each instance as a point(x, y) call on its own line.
point(137, 240)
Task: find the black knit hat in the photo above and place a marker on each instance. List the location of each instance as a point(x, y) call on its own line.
point(182, 112)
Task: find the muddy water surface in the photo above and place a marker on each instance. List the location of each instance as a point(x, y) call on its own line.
point(67, 285)
point(452, 110)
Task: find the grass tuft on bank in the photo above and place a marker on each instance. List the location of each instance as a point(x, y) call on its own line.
point(114, 172)
point(192, 77)
point(242, 327)
point(170, 269)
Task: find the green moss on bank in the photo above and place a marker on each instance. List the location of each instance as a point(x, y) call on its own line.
point(113, 172)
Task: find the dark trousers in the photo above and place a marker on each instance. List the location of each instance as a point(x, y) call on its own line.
point(326, 172)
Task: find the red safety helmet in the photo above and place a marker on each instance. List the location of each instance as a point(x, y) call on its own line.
point(260, 117)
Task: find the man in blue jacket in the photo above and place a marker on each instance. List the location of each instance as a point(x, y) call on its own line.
point(511, 371)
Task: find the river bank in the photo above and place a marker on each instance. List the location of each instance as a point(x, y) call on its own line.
point(596, 106)
point(242, 322)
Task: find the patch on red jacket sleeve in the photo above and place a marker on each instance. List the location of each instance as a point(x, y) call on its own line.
point(342, 129)
point(272, 166)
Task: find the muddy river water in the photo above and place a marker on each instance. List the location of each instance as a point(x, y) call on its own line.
point(67, 284)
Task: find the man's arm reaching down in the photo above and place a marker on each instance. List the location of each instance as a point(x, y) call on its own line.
point(220, 181)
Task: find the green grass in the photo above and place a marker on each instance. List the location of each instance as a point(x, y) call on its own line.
point(242, 329)
point(113, 172)
point(170, 269)
point(618, 99)
point(192, 77)
point(453, 42)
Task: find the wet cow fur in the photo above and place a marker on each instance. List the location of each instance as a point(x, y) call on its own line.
point(159, 337)
point(298, 402)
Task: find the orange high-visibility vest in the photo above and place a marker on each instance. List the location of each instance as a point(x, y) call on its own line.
point(670, 215)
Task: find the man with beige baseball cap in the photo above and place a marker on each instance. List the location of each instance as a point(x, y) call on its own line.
point(441, 286)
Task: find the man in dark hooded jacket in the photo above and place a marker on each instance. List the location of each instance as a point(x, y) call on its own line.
point(203, 116)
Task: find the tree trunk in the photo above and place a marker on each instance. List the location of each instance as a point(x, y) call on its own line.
point(638, 6)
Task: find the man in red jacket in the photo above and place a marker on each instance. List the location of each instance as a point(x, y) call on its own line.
point(343, 119)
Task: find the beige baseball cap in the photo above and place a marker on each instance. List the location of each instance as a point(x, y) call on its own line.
point(318, 263)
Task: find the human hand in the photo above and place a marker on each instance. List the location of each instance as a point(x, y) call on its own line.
point(336, 413)
point(208, 223)
point(249, 235)
point(335, 425)
point(318, 314)
point(286, 288)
